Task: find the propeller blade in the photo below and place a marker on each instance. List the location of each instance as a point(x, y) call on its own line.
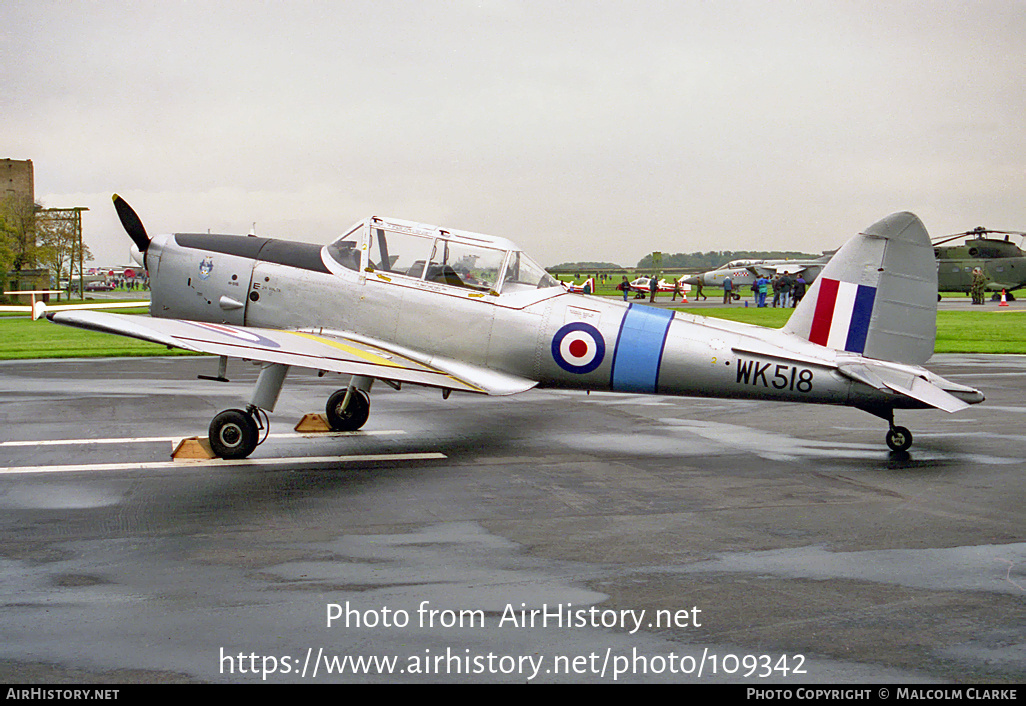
point(131, 223)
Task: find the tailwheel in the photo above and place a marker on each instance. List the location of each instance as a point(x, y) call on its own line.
point(899, 438)
point(348, 409)
point(234, 433)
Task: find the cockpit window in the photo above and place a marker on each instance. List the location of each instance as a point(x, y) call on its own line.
point(465, 265)
point(346, 250)
point(524, 273)
point(440, 257)
point(399, 253)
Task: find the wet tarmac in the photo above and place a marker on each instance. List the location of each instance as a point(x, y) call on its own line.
point(547, 537)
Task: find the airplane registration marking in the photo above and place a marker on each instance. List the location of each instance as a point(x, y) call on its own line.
point(750, 372)
point(220, 462)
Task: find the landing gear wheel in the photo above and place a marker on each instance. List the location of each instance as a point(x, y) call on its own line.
point(355, 413)
point(233, 434)
point(899, 438)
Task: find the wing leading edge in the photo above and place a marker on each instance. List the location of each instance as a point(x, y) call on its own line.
point(333, 352)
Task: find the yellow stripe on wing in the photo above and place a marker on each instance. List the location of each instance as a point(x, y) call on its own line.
point(381, 360)
point(369, 357)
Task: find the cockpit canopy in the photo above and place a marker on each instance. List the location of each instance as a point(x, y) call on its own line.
point(734, 264)
point(454, 258)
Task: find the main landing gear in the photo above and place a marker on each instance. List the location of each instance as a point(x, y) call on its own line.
point(235, 433)
point(348, 408)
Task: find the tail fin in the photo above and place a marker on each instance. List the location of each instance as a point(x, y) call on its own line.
point(877, 296)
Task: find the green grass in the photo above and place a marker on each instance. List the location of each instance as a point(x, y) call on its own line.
point(957, 332)
point(22, 338)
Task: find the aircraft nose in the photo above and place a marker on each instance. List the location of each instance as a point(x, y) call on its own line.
point(692, 280)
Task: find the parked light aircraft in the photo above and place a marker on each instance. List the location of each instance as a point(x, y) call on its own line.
point(642, 285)
point(37, 308)
point(404, 302)
point(585, 287)
point(745, 272)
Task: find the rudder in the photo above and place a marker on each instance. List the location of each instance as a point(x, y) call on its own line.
point(877, 296)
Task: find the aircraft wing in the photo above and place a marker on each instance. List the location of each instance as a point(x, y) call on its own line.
point(772, 270)
point(336, 352)
point(41, 308)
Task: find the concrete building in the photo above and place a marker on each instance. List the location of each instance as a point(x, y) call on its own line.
point(19, 180)
point(18, 200)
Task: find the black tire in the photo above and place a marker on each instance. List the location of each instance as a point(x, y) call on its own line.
point(233, 434)
point(353, 416)
point(899, 439)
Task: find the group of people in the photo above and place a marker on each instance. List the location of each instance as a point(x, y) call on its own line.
point(787, 290)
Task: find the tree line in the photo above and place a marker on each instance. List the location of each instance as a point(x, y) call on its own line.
point(691, 261)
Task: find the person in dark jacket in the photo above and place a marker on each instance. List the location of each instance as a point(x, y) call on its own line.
point(799, 290)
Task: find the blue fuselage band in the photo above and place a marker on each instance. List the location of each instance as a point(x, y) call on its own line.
point(639, 349)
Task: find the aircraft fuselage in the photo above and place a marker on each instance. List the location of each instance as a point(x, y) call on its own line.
point(549, 335)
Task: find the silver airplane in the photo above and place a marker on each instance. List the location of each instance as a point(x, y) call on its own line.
point(404, 302)
point(745, 272)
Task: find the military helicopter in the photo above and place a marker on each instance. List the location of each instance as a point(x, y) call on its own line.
point(1002, 261)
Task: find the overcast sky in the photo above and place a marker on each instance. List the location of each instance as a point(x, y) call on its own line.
point(582, 130)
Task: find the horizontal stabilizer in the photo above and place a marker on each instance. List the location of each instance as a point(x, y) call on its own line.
point(903, 383)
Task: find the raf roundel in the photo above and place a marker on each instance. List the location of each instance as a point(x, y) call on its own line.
point(578, 348)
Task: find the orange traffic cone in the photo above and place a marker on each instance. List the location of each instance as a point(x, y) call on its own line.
point(1004, 301)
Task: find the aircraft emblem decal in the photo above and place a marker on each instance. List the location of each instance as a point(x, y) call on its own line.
point(578, 348)
point(639, 349)
point(842, 315)
point(206, 267)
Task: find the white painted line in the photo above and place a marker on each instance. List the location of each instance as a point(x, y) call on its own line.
point(219, 462)
point(176, 439)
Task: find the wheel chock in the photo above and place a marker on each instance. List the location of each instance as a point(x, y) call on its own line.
point(193, 448)
point(313, 423)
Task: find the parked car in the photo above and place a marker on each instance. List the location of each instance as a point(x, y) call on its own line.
point(99, 287)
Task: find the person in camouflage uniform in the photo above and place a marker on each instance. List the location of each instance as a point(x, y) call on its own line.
point(978, 285)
